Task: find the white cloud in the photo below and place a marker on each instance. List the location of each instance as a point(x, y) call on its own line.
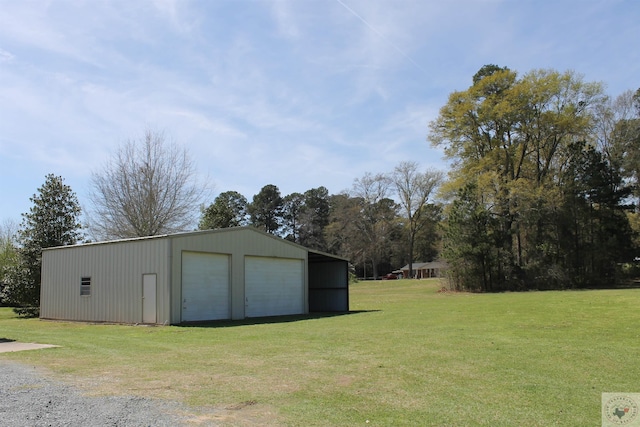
point(5, 56)
point(207, 124)
point(285, 19)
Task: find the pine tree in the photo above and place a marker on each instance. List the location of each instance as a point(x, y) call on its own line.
point(229, 209)
point(266, 209)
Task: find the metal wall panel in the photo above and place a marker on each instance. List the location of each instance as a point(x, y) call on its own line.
point(116, 270)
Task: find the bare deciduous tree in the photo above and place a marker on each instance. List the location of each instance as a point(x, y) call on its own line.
point(146, 189)
point(375, 223)
point(413, 189)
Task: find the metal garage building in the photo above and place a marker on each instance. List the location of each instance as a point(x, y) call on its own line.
point(229, 273)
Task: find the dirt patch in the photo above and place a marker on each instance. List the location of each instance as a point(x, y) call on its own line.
point(241, 414)
point(345, 380)
point(7, 346)
point(241, 405)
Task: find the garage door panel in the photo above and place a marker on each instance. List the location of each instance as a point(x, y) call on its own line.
point(205, 286)
point(273, 286)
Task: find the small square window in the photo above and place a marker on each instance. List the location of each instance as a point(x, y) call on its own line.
point(85, 286)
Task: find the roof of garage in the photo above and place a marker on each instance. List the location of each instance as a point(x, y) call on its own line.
point(317, 256)
point(314, 255)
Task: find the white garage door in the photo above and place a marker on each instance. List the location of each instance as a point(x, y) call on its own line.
point(205, 286)
point(273, 286)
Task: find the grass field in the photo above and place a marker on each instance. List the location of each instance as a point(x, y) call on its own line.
point(407, 355)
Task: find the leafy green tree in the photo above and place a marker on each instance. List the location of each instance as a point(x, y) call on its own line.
point(53, 220)
point(8, 252)
point(229, 209)
point(266, 209)
point(513, 140)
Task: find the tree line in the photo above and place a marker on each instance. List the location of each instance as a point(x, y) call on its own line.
point(364, 224)
point(147, 189)
point(544, 188)
point(542, 193)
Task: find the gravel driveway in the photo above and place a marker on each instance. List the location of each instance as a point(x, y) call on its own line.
point(29, 399)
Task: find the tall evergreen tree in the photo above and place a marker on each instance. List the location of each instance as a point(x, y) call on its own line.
point(468, 241)
point(596, 233)
point(266, 209)
point(315, 218)
point(53, 220)
point(292, 210)
point(229, 209)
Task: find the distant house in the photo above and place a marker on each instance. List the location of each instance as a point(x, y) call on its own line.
point(423, 270)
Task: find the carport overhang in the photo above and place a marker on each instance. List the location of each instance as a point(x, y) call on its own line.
point(328, 282)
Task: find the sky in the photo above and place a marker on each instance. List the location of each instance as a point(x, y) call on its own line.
point(295, 93)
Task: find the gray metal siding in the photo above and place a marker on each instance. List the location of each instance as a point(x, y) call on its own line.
point(238, 243)
point(116, 271)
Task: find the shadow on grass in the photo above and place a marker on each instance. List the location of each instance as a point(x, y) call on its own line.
point(622, 284)
point(268, 320)
point(6, 340)
point(628, 285)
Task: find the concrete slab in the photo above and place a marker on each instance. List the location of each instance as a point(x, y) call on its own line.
point(7, 346)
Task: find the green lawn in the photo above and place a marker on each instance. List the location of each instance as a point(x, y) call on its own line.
point(407, 355)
